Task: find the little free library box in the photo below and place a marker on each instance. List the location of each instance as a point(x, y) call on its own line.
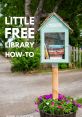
point(54, 33)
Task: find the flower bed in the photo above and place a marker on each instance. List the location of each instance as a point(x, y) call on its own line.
point(61, 107)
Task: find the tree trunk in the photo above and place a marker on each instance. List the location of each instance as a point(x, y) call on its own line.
point(27, 8)
point(38, 14)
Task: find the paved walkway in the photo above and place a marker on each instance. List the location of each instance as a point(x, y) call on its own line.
point(5, 65)
point(18, 91)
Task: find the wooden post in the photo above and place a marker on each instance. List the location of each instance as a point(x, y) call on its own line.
point(55, 81)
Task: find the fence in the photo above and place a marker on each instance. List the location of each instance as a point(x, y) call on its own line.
point(76, 57)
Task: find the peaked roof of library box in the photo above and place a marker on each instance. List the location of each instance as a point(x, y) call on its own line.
point(56, 15)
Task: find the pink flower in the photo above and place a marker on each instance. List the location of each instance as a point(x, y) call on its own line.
point(52, 104)
point(37, 110)
point(60, 107)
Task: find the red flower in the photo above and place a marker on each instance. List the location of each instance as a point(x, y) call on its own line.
point(52, 104)
point(60, 107)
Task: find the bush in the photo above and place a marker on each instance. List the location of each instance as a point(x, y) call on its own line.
point(24, 63)
point(63, 65)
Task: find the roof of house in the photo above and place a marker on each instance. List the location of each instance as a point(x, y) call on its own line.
point(55, 14)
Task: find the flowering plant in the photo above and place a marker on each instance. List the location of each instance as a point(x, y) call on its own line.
point(62, 105)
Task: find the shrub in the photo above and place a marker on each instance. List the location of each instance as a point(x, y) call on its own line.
point(63, 65)
point(24, 63)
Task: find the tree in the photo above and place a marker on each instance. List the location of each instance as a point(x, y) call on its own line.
point(9, 8)
point(27, 8)
point(67, 9)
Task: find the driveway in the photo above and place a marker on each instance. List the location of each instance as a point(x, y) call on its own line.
point(5, 65)
point(18, 91)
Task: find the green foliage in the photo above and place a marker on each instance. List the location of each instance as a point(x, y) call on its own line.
point(79, 20)
point(61, 106)
point(68, 10)
point(25, 63)
point(9, 8)
point(69, 13)
point(79, 100)
point(33, 6)
point(49, 5)
point(2, 31)
point(37, 39)
point(63, 65)
point(57, 107)
point(12, 7)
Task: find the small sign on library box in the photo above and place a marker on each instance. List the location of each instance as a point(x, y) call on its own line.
point(54, 33)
